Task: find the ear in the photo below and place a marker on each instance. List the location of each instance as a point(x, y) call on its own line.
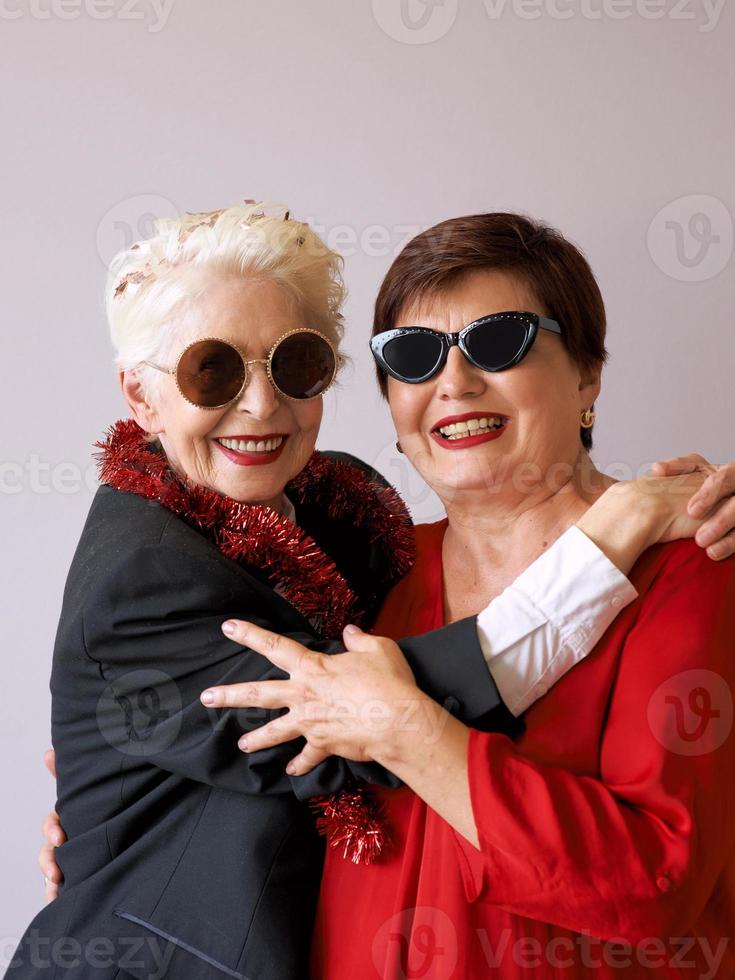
point(140, 406)
point(589, 386)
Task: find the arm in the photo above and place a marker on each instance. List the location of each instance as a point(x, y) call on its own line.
point(636, 852)
point(554, 614)
point(153, 625)
point(530, 636)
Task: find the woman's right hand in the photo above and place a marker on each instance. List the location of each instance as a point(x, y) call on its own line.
point(54, 836)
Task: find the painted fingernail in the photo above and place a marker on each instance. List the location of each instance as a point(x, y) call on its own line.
point(243, 744)
point(228, 627)
point(207, 697)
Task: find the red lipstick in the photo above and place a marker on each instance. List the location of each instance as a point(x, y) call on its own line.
point(252, 459)
point(467, 442)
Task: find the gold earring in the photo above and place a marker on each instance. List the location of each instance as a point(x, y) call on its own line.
point(588, 418)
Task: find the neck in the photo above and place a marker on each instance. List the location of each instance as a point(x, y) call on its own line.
point(493, 536)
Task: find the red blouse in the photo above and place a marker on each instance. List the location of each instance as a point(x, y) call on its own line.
point(607, 830)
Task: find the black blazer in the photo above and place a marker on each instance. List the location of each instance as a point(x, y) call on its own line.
point(186, 858)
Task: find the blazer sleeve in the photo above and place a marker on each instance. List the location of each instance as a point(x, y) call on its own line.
point(635, 853)
point(152, 623)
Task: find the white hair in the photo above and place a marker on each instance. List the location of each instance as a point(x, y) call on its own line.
point(148, 282)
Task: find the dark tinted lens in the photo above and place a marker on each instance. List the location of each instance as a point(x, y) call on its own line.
point(413, 356)
point(303, 365)
point(210, 373)
point(495, 344)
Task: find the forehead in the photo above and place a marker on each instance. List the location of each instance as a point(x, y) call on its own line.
point(250, 313)
point(476, 294)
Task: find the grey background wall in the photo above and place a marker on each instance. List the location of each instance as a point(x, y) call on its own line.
point(610, 118)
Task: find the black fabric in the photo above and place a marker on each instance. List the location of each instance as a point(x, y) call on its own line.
point(186, 858)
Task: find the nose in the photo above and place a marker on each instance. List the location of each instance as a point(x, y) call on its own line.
point(258, 398)
point(459, 379)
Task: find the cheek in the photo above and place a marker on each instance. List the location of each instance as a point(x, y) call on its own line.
point(407, 404)
point(191, 427)
point(308, 419)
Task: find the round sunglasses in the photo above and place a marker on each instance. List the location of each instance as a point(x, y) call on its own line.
point(493, 343)
point(211, 373)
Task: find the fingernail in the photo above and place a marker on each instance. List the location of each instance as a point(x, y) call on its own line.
point(207, 697)
point(352, 628)
point(228, 627)
point(49, 872)
point(291, 768)
point(243, 744)
point(56, 838)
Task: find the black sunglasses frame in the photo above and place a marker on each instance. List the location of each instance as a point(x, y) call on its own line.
point(533, 322)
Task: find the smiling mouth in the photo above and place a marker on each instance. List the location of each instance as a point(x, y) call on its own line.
point(261, 444)
point(469, 428)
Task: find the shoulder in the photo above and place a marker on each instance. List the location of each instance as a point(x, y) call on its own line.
point(682, 561)
point(359, 520)
point(679, 580)
point(357, 464)
point(429, 537)
point(137, 541)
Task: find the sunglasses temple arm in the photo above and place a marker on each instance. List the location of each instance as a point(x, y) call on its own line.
point(159, 368)
point(548, 324)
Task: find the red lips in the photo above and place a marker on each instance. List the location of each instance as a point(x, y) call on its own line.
point(467, 442)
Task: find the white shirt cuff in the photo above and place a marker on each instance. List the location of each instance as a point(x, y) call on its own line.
point(551, 617)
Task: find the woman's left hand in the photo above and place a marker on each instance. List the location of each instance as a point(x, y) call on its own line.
point(714, 500)
point(344, 705)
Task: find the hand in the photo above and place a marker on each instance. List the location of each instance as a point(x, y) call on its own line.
point(713, 502)
point(54, 836)
point(341, 704)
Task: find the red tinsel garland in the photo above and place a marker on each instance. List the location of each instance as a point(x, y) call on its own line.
point(258, 536)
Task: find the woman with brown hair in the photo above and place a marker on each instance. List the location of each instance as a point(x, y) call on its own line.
point(601, 839)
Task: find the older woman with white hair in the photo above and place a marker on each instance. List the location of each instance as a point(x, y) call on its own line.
point(185, 857)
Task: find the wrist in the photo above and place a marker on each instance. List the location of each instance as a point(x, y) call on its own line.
point(623, 522)
point(411, 723)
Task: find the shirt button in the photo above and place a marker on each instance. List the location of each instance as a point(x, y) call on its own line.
point(663, 883)
point(451, 704)
point(616, 601)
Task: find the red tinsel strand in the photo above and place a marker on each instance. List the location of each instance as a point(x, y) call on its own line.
point(353, 820)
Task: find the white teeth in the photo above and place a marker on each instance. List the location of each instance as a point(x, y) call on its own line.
point(251, 446)
point(461, 430)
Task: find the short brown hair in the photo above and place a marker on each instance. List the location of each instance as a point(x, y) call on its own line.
point(555, 270)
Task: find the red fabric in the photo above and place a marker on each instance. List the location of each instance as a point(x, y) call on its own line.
point(613, 816)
